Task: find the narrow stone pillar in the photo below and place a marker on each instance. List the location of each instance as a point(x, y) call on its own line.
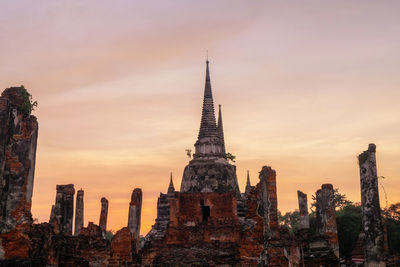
point(326, 218)
point(135, 211)
point(103, 214)
point(303, 210)
point(64, 208)
point(79, 212)
point(374, 242)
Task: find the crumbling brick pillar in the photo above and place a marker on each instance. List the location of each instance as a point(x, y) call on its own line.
point(303, 210)
point(103, 214)
point(18, 141)
point(326, 218)
point(374, 242)
point(64, 208)
point(79, 212)
point(269, 202)
point(135, 211)
point(273, 254)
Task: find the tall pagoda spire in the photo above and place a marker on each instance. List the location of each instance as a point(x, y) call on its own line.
point(220, 130)
point(208, 127)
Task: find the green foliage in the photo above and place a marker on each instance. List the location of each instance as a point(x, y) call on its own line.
point(291, 220)
point(313, 222)
point(189, 153)
point(339, 199)
point(348, 220)
point(109, 235)
point(391, 217)
point(28, 104)
point(230, 157)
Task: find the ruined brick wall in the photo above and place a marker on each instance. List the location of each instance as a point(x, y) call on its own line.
point(252, 236)
point(18, 141)
point(203, 229)
point(57, 249)
point(260, 237)
point(189, 210)
point(268, 209)
point(123, 251)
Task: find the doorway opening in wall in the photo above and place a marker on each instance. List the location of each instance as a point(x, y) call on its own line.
point(205, 211)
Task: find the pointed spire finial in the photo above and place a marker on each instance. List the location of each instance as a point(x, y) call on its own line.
point(248, 179)
point(171, 188)
point(220, 130)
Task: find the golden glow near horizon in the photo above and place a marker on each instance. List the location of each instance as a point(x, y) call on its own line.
point(304, 87)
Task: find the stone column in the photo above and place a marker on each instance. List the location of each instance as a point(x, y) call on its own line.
point(326, 218)
point(103, 214)
point(18, 140)
point(374, 244)
point(303, 210)
point(79, 212)
point(135, 211)
point(64, 208)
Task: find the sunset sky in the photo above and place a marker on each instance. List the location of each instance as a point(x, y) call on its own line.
point(304, 86)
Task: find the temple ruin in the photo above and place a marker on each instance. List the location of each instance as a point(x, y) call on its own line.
point(207, 222)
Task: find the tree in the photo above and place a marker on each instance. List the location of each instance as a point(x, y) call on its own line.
point(349, 223)
point(230, 157)
point(339, 199)
point(28, 105)
point(391, 216)
point(291, 220)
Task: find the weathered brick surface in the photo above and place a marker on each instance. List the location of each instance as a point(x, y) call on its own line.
point(88, 248)
point(209, 176)
point(374, 243)
point(18, 140)
point(123, 248)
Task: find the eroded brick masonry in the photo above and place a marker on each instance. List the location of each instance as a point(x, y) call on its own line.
point(208, 222)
